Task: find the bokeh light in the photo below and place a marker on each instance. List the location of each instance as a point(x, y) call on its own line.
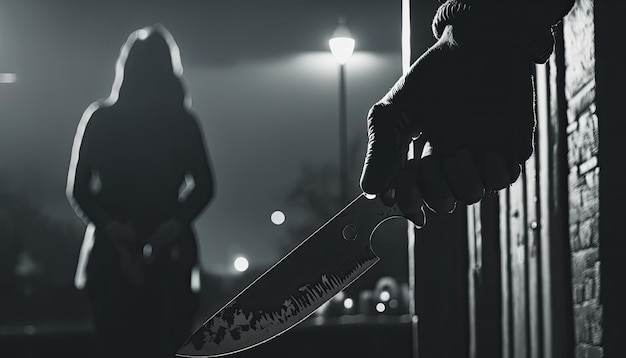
point(277, 217)
point(348, 303)
point(241, 264)
point(8, 78)
point(385, 296)
point(380, 307)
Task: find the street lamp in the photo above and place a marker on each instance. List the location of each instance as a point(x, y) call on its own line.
point(341, 46)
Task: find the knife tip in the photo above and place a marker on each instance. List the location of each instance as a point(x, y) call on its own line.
point(187, 351)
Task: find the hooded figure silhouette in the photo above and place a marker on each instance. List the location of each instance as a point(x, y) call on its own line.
point(139, 175)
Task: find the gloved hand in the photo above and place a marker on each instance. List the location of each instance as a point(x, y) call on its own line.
point(166, 233)
point(123, 237)
point(471, 101)
point(122, 234)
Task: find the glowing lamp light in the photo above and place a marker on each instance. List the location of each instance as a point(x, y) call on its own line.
point(348, 303)
point(393, 304)
point(342, 44)
point(277, 217)
point(8, 78)
point(195, 280)
point(380, 307)
point(385, 296)
point(241, 264)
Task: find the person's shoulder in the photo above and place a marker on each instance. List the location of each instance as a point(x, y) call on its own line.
point(98, 109)
point(91, 114)
point(190, 125)
point(98, 115)
point(189, 118)
point(189, 114)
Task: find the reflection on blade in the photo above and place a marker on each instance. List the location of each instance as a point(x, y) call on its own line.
point(236, 328)
point(310, 275)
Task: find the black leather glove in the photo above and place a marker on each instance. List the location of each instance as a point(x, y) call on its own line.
point(473, 102)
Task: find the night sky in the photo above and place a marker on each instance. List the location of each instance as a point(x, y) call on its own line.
point(263, 82)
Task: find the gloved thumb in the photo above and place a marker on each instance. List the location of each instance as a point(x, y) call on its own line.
point(386, 148)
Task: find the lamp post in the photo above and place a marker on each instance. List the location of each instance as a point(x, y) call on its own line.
point(341, 46)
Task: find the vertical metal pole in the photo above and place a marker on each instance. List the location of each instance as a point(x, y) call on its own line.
point(542, 85)
point(343, 137)
point(406, 64)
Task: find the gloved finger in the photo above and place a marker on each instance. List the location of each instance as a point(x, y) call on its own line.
point(388, 197)
point(518, 145)
point(435, 190)
point(408, 194)
point(418, 219)
point(494, 172)
point(387, 144)
point(524, 146)
point(462, 175)
point(515, 170)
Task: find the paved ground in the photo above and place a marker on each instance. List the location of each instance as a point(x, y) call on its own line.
point(358, 338)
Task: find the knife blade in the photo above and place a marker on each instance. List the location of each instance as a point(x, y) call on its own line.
point(322, 265)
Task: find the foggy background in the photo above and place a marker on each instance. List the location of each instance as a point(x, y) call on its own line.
point(265, 89)
point(264, 86)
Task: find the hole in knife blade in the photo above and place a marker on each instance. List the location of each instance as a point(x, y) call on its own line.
point(349, 232)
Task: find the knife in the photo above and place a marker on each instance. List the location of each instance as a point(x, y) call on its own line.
point(322, 265)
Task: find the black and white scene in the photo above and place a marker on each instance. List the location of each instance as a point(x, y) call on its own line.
point(312, 178)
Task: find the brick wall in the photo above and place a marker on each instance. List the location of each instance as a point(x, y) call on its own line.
point(584, 177)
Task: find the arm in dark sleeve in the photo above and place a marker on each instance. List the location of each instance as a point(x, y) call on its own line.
point(79, 191)
point(550, 12)
point(540, 13)
point(199, 168)
point(527, 23)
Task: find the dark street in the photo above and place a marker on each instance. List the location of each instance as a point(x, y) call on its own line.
point(312, 178)
point(332, 340)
